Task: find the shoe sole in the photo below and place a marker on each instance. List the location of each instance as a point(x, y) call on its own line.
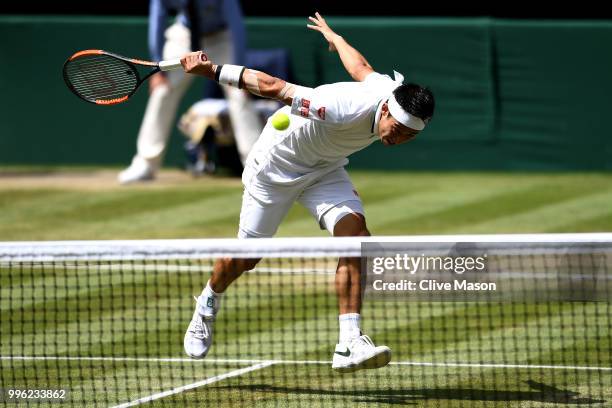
point(378, 360)
point(136, 181)
point(195, 357)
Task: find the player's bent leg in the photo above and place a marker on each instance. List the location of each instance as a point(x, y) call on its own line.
point(257, 220)
point(354, 350)
point(199, 334)
point(227, 270)
point(348, 272)
point(351, 225)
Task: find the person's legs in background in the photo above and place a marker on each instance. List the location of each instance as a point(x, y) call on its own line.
point(160, 112)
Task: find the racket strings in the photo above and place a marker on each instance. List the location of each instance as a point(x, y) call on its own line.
point(101, 77)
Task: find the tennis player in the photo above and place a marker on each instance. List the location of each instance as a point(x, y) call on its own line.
point(305, 163)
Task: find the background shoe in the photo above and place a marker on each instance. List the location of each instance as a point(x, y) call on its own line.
point(138, 171)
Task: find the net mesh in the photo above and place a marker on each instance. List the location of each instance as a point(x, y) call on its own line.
point(104, 321)
point(100, 77)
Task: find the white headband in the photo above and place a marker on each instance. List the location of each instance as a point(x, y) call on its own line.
point(399, 113)
point(404, 117)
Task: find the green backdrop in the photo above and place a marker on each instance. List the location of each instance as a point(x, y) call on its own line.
point(510, 94)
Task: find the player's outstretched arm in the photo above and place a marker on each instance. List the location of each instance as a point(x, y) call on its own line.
point(354, 62)
point(256, 82)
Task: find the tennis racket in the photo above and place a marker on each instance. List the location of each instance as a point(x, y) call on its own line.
point(105, 78)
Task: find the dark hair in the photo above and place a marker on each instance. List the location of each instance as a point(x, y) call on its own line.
point(415, 100)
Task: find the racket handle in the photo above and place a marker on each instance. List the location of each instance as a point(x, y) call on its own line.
point(170, 65)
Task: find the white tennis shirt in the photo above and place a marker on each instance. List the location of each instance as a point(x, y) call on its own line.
point(327, 124)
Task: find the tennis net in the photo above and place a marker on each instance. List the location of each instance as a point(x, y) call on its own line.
point(495, 320)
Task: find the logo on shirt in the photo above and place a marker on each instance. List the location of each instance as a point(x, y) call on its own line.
point(321, 112)
point(356, 193)
point(305, 108)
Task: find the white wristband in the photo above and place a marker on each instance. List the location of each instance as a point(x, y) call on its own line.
point(229, 75)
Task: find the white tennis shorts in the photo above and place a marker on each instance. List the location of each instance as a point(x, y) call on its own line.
point(328, 199)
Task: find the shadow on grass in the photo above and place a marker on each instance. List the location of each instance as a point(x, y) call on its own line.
point(540, 393)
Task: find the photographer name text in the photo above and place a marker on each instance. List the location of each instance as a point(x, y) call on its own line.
point(433, 285)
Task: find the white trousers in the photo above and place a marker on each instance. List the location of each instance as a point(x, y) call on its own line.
point(164, 100)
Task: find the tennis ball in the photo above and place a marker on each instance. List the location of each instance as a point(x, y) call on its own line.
point(280, 121)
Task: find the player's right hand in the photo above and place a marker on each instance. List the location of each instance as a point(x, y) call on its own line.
point(198, 63)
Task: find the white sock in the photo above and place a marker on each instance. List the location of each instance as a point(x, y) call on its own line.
point(209, 301)
point(349, 327)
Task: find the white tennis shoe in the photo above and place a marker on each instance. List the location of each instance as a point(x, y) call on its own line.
point(199, 335)
point(139, 171)
point(360, 353)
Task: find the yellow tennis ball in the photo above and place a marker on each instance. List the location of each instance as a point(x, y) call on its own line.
point(280, 121)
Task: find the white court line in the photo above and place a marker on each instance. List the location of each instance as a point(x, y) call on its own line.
point(194, 385)
point(304, 362)
point(491, 365)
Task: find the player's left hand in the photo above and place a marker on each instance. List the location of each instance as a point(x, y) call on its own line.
point(321, 26)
